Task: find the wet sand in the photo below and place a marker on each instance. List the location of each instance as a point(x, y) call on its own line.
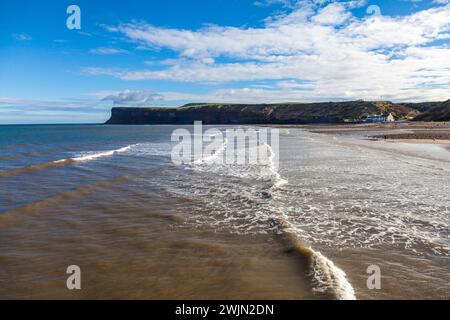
point(403, 132)
point(398, 130)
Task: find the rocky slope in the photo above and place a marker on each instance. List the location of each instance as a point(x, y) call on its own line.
point(436, 112)
point(283, 113)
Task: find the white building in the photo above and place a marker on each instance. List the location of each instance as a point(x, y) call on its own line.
point(390, 118)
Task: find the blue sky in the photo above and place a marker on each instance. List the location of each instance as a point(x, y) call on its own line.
point(167, 53)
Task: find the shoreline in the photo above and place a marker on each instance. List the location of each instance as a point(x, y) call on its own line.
point(400, 132)
point(418, 138)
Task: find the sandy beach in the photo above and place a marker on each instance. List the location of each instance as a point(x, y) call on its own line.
point(396, 130)
point(403, 132)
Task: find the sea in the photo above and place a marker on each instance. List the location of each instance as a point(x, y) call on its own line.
point(336, 218)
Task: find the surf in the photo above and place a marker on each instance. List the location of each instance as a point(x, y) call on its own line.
point(93, 156)
point(214, 155)
point(327, 279)
point(279, 181)
point(62, 162)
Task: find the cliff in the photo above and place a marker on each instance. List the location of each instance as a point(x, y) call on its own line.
point(436, 112)
point(283, 113)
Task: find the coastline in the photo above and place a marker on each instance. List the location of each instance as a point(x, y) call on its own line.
point(431, 133)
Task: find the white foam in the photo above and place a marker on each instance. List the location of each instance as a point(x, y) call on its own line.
point(213, 157)
point(278, 180)
point(152, 149)
point(327, 277)
point(330, 278)
point(96, 155)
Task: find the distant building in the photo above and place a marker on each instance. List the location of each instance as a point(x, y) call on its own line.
point(390, 118)
point(375, 118)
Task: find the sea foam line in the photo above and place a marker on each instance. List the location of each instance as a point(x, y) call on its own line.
point(211, 158)
point(94, 156)
point(279, 181)
point(62, 162)
point(327, 278)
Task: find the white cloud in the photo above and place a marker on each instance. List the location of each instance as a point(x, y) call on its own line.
point(9, 104)
point(23, 111)
point(130, 97)
point(321, 42)
point(22, 37)
point(333, 14)
point(266, 3)
point(108, 51)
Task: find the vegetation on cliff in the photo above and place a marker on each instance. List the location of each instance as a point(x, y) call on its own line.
point(438, 112)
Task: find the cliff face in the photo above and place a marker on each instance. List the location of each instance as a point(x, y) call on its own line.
point(143, 116)
point(288, 113)
point(436, 112)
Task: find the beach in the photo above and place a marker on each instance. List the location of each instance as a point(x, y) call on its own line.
point(438, 132)
point(430, 133)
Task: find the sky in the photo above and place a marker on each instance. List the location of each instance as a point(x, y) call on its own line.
point(167, 53)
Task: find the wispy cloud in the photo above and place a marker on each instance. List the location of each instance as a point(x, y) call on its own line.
point(24, 111)
point(108, 51)
point(22, 37)
point(130, 97)
point(266, 3)
point(13, 104)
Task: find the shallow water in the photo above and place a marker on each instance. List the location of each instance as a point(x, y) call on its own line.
point(109, 199)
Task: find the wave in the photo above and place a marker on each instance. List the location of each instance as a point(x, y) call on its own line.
point(12, 146)
point(20, 155)
point(96, 155)
point(46, 165)
point(278, 180)
point(327, 278)
point(250, 208)
point(30, 168)
point(265, 169)
point(214, 156)
point(81, 191)
point(10, 156)
point(330, 278)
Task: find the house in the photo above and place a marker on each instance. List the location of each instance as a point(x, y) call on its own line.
point(390, 118)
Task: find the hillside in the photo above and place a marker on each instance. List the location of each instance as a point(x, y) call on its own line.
point(439, 112)
point(422, 106)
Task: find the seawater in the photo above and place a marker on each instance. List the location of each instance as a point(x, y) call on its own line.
point(109, 199)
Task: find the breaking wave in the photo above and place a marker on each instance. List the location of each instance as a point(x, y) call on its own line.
point(52, 164)
point(214, 156)
point(248, 207)
point(94, 155)
point(278, 180)
point(327, 279)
